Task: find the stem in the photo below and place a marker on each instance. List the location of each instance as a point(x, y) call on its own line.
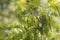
point(41, 28)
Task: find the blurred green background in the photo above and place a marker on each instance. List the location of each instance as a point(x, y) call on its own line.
point(29, 19)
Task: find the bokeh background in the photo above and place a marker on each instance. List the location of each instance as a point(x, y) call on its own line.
point(29, 19)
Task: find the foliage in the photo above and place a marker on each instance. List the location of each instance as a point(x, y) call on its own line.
point(29, 19)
